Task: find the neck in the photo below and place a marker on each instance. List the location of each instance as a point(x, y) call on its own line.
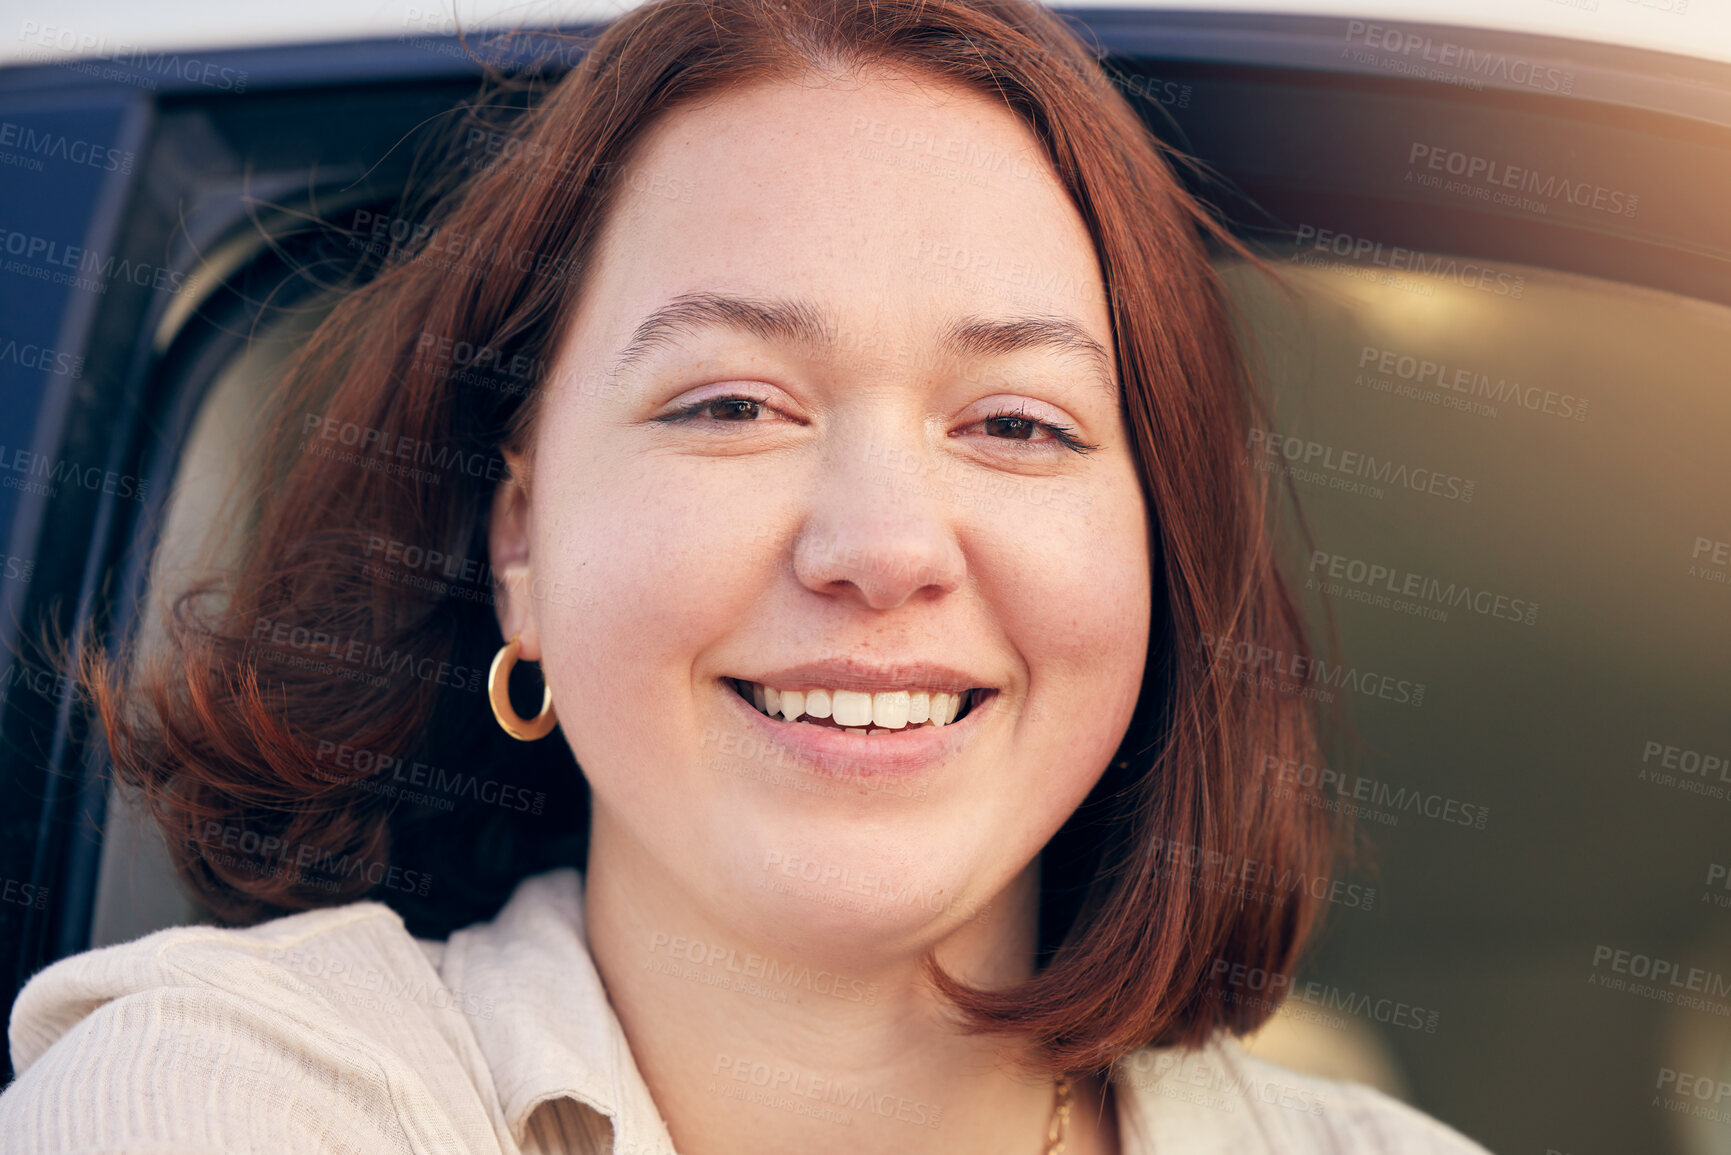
point(786, 1048)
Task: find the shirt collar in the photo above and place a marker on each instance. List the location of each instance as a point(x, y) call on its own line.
point(552, 1033)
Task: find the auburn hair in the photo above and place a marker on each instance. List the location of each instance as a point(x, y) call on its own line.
point(287, 691)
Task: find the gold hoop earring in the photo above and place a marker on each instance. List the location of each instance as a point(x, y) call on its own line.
point(499, 694)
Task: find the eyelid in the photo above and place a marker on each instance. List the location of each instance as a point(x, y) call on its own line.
point(1061, 429)
point(997, 403)
point(765, 395)
point(1061, 434)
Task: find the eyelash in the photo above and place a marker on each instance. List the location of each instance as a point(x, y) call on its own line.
point(1065, 435)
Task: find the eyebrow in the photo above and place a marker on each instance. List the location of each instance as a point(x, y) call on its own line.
point(796, 321)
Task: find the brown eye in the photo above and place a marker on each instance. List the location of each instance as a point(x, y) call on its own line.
point(729, 409)
point(1016, 425)
point(1019, 428)
point(733, 409)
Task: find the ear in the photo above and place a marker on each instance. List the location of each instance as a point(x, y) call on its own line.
point(508, 548)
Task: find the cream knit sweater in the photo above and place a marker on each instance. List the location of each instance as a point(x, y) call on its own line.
point(335, 1031)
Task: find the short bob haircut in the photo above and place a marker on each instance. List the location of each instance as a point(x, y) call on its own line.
point(314, 729)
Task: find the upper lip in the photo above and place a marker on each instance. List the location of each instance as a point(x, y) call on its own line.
point(870, 677)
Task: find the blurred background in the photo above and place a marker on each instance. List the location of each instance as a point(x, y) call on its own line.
point(1494, 331)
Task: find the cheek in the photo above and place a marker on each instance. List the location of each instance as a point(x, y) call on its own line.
point(1083, 589)
point(1078, 609)
point(659, 565)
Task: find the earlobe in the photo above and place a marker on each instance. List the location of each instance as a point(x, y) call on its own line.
point(508, 549)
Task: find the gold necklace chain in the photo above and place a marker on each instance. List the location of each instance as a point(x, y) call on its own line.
point(1059, 1127)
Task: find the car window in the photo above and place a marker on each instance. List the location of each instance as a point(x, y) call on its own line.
point(200, 533)
point(1508, 475)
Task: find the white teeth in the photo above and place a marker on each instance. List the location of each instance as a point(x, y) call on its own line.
point(890, 709)
point(884, 712)
point(852, 708)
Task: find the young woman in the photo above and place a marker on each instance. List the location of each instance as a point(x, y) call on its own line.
point(878, 524)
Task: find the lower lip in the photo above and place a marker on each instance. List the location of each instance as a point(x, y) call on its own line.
point(837, 753)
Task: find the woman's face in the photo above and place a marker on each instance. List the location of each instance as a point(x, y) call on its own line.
point(774, 451)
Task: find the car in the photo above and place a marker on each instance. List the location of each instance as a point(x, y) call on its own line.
point(1492, 319)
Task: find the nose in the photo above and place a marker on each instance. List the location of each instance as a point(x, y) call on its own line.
point(877, 532)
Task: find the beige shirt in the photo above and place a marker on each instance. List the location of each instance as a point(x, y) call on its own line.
point(335, 1031)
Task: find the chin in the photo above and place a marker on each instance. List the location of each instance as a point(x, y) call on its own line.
point(846, 892)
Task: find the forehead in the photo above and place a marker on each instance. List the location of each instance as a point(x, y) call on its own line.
point(899, 202)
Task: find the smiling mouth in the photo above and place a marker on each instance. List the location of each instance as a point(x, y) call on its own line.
point(897, 712)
